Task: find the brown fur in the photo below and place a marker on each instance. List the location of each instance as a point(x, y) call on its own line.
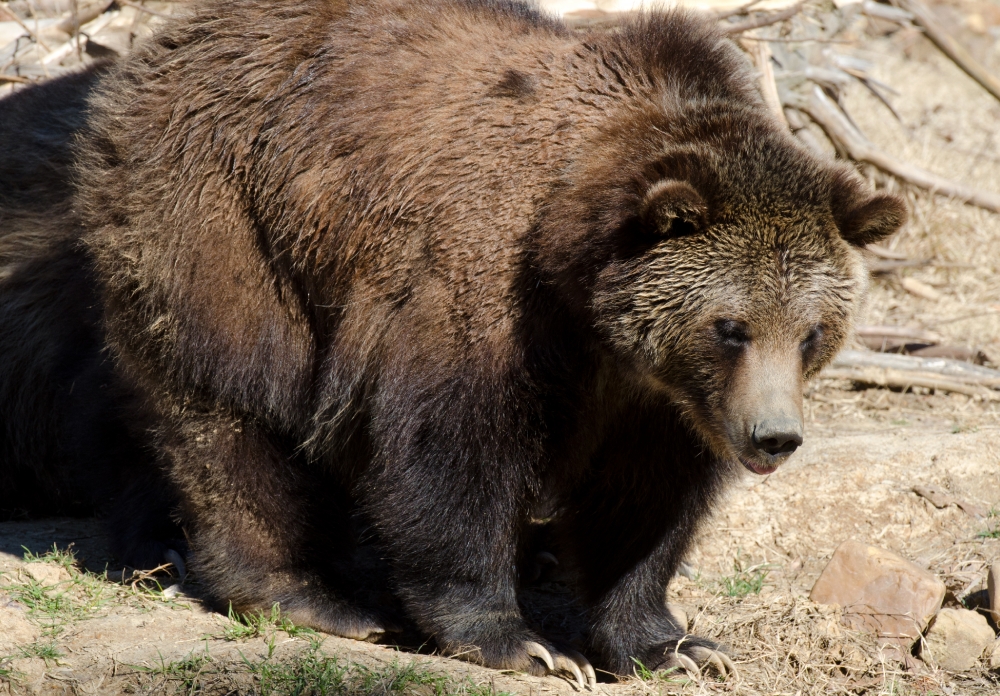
point(435, 263)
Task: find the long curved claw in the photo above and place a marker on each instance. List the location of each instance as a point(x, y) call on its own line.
point(584, 664)
point(730, 665)
point(687, 663)
point(174, 558)
point(546, 558)
point(715, 659)
point(539, 651)
point(564, 662)
point(677, 660)
point(696, 658)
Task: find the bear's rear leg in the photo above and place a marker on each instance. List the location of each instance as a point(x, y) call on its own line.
point(245, 504)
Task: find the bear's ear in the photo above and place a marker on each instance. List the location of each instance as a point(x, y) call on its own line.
point(672, 208)
point(864, 218)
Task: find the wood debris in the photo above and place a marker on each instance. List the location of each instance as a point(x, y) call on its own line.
point(907, 371)
point(919, 289)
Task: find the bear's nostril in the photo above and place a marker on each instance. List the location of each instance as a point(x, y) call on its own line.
point(774, 446)
point(776, 441)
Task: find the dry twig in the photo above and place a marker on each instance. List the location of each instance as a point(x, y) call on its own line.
point(742, 9)
point(897, 332)
point(950, 47)
point(143, 8)
point(766, 20)
point(939, 368)
point(889, 254)
point(24, 26)
point(86, 13)
point(898, 379)
point(828, 115)
point(761, 53)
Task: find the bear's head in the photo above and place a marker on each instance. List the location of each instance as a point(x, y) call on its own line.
point(722, 266)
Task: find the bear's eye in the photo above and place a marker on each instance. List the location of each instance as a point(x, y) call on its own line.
point(812, 339)
point(732, 333)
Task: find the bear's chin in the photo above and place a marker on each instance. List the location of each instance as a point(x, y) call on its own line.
point(759, 468)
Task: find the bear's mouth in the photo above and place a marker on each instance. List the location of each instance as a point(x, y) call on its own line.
point(758, 467)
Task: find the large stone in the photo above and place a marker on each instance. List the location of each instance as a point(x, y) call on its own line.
point(993, 590)
point(880, 592)
point(956, 640)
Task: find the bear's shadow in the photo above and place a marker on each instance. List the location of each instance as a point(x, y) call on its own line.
point(547, 599)
point(546, 595)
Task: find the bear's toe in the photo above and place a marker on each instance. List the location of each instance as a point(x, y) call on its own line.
point(341, 619)
point(694, 655)
point(564, 662)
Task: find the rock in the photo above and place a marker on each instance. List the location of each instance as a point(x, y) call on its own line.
point(956, 640)
point(880, 592)
point(995, 655)
point(993, 590)
point(940, 499)
point(45, 574)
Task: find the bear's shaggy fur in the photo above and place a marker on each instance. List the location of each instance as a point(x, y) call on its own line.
point(69, 439)
point(438, 264)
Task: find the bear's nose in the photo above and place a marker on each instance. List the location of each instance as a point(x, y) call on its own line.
point(777, 437)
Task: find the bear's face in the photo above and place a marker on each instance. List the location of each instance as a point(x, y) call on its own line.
point(730, 320)
point(734, 289)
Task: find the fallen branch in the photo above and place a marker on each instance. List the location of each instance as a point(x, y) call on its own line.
point(742, 9)
point(887, 12)
point(761, 53)
point(798, 125)
point(828, 115)
point(86, 13)
point(942, 368)
point(141, 8)
point(766, 20)
point(889, 254)
point(14, 78)
point(962, 353)
point(900, 379)
point(897, 332)
point(892, 266)
point(950, 47)
point(24, 26)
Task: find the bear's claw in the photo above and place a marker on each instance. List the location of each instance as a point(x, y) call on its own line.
point(698, 657)
point(567, 661)
point(174, 558)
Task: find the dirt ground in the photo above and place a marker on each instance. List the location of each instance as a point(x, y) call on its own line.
point(69, 625)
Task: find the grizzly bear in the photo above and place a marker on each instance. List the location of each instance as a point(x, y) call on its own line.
point(438, 265)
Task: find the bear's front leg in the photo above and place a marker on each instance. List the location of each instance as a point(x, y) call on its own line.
point(245, 508)
point(626, 527)
point(456, 462)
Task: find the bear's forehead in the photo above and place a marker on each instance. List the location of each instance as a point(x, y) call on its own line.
point(733, 265)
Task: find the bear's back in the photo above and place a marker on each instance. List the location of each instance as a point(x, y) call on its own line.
point(273, 188)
